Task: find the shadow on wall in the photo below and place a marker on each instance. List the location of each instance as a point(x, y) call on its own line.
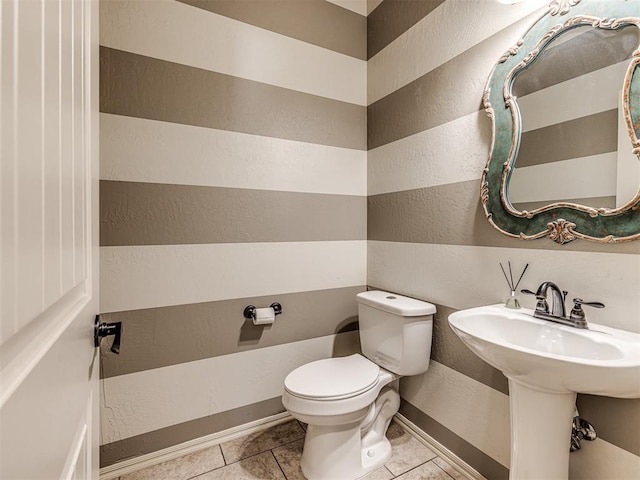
point(251, 334)
point(346, 344)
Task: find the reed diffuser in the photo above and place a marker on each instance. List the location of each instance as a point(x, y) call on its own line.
point(512, 301)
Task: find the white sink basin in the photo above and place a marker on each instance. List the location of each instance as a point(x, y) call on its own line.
point(552, 357)
point(547, 364)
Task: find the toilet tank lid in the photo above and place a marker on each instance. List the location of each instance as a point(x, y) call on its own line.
point(397, 304)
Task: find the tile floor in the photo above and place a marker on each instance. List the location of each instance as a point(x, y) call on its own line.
point(274, 454)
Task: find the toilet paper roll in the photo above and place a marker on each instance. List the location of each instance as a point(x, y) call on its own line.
point(264, 316)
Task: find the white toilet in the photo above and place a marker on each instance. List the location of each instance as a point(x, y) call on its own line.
point(348, 402)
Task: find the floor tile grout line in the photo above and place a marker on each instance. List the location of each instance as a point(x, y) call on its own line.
point(446, 473)
point(424, 463)
point(254, 454)
point(208, 471)
point(417, 466)
point(288, 443)
point(222, 453)
point(278, 463)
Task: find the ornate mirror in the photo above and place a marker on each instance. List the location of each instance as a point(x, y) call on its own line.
point(565, 109)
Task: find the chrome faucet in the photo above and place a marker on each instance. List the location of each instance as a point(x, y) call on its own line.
point(557, 299)
point(558, 312)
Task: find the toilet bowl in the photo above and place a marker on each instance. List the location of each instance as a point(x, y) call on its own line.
point(348, 402)
point(336, 397)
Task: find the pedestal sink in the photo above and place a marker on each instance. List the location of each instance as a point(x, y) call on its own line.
point(547, 364)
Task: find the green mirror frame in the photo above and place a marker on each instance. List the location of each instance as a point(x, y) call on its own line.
point(562, 222)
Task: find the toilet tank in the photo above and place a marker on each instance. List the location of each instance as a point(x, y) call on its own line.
point(396, 331)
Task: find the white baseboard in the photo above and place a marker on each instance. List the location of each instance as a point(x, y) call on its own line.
point(171, 453)
point(463, 468)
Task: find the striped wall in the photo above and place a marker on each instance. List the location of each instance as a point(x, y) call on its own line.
point(233, 172)
point(304, 154)
point(427, 236)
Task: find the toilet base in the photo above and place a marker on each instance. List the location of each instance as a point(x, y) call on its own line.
point(350, 451)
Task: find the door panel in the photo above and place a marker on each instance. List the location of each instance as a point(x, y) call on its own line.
point(48, 239)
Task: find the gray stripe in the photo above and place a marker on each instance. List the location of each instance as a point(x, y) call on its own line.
point(163, 214)
point(392, 18)
point(313, 21)
point(590, 51)
point(454, 89)
point(476, 458)
point(163, 336)
point(139, 86)
point(582, 137)
point(616, 420)
point(452, 214)
point(449, 350)
point(597, 202)
point(183, 432)
point(446, 93)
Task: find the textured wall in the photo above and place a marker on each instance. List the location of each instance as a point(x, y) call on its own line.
point(233, 167)
point(234, 171)
point(428, 143)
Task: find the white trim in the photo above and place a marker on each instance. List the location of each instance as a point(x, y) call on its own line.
point(70, 471)
point(462, 467)
point(22, 352)
point(176, 451)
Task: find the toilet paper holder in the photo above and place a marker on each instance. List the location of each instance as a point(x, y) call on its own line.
point(250, 310)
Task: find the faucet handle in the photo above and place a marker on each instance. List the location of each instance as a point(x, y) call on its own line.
point(577, 313)
point(578, 301)
point(541, 305)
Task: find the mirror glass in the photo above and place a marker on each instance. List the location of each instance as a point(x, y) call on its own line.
point(574, 145)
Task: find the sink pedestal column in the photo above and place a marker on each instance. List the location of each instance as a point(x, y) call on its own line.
point(540, 433)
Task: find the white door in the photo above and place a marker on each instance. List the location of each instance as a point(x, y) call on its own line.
point(48, 239)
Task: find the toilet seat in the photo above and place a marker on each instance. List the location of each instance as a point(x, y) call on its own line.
point(333, 378)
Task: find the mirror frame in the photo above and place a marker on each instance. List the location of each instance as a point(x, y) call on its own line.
point(562, 222)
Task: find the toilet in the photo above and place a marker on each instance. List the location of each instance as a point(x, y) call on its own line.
point(348, 402)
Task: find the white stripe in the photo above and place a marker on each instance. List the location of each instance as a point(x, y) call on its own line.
point(357, 6)
point(140, 150)
point(431, 42)
point(180, 33)
point(588, 94)
point(585, 177)
point(600, 459)
point(187, 391)
point(453, 152)
point(134, 277)
point(462, 276)
point(470, 409)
